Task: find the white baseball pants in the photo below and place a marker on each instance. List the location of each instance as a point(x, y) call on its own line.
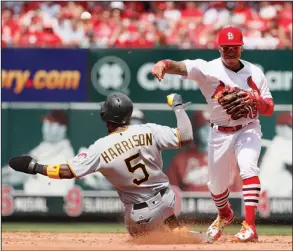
point(241, 148)
point(151, 217)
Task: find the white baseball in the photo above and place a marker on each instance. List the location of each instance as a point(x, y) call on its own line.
point(85, 15)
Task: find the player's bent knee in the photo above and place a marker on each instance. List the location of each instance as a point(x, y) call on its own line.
point(249, 171)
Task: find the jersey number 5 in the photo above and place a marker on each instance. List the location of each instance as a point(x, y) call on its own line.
point(132, 169)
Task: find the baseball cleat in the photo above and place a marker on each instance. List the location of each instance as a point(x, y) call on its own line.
point(247, 233)
point(215, 230)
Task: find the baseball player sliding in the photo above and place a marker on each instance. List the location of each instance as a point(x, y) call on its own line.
point(236, 92)
point(130, 159)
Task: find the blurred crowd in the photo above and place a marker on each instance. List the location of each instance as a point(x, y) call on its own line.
point(184, 25)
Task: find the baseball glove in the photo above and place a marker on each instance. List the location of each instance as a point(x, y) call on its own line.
point(238, 103)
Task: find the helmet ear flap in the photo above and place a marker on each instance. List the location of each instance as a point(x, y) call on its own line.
point(102, 115)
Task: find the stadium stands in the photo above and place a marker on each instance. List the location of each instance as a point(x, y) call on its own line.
point(184, 25)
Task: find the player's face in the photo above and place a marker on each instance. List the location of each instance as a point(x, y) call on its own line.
point(231, 54)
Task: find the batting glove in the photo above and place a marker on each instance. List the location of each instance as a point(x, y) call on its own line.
point(175, 99)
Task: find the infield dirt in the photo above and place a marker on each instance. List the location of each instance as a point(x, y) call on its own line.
point(118, 241)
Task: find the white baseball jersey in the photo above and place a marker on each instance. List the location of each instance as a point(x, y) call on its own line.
point(130, 160)
point(212, 76)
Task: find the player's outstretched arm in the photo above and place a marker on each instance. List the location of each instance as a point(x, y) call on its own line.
point(27, 164)
point(183, 122)
point(169, 66)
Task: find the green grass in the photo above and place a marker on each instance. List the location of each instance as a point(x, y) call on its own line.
point(119, 228)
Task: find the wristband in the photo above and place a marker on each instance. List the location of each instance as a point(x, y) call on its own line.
point(32, 167)
point(53, 171)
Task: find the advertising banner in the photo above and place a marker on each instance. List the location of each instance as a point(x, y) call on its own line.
point(129, 71)
point(78, 203)
point(43, 75)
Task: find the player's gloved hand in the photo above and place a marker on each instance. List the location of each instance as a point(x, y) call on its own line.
point(24, 164)
point(239, 103)
point(159, 69)
point(175, 99)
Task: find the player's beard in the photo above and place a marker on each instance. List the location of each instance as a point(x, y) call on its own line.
point(232, 64)
point(231, 58)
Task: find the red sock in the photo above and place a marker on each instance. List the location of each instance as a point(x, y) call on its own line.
point(221, 201)
point(226, 211)
point(251, 192)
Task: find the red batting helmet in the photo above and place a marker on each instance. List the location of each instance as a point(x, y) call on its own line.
point(230, 36)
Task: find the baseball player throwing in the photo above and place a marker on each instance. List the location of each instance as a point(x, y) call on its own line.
point(236, 92)
point(130, 159)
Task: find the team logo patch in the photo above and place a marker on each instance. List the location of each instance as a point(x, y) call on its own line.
point(82, 155)
point(230, 36)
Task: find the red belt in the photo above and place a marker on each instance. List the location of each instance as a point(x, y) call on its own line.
point(228, 129)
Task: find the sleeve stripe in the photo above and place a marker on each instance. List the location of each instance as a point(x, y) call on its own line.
point(179, 138)
point(71, 169)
